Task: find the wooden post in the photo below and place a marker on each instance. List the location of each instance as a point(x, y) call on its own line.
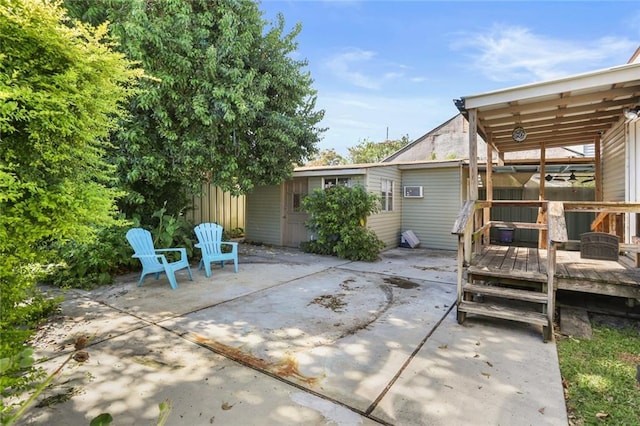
point(489, 190)
point(542, 217)
point(461, 315)
point(473, 154)
point(473, 168)
point(598, 166)
point(543, 171)
point(557, 233)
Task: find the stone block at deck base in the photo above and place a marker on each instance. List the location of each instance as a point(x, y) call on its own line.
point(575, 322)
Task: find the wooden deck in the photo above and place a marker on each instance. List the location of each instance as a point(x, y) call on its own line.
point(572, 273)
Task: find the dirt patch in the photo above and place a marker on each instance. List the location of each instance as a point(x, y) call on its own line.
point(401, 283)
point(330, 301)
point(631, 359)
point(435, 268)
point(153, 363)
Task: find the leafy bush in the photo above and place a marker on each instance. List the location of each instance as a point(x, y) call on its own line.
point(337, 219)
point(23, 306)
point(93, 263)
point(235, 233)
point(172, 231)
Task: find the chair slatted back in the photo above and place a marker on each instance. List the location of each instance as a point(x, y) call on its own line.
point(209, 236)
point(142, 243)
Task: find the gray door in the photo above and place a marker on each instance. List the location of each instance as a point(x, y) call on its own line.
point(294, 217)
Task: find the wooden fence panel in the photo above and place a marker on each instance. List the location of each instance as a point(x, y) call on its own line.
point(219, 207)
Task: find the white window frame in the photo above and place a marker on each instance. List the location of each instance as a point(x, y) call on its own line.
point(387, 187)
point(329, 182)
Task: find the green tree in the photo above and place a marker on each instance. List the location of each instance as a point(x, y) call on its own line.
point(373, 152)
point(327, 157)
point(228, 104)
point(61, 92)
point(337, 219)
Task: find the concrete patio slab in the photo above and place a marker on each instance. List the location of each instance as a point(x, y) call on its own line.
point(486, 372)
point(129, 376)
point(294, 338)
point(346, 332)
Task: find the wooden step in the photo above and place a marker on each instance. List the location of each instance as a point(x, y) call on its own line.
point(503, 312)
point(481, 271)
point(507, 293)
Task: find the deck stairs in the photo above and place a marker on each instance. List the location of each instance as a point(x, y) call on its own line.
point(491, 294)
point(497, 283)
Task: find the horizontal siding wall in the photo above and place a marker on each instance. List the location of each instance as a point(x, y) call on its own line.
point(264, 213)
point(386, 224)
point(432, 217)
point(219, 207)
point(613, 164)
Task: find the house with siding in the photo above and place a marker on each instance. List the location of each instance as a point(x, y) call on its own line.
point(426, 190)
point(422, 196)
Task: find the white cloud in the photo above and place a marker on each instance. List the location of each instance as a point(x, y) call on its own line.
point(362, 69)
point(517, 54)
point(342, 65)
point(353, 117)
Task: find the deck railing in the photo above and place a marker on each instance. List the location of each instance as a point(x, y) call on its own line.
point(473, 227)
point(473, 235)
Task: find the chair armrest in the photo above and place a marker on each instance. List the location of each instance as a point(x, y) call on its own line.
point(140, 256)
point(182, 250)
point(172, 249)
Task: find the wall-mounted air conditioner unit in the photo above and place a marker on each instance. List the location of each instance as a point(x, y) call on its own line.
point(412, 192)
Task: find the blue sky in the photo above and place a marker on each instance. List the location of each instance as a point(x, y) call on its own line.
point(393, 68)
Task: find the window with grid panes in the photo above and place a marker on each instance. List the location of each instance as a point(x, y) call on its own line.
point(387, 195)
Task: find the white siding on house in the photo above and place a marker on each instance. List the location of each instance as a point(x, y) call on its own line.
point(264, 215)
point(386, 224)
point(613, 160)
point(431, 218)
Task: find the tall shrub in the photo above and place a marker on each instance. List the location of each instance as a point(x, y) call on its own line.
point(337, 219)
point(61, 89)
point(230, 103)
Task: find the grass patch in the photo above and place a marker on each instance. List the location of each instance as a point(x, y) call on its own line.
point(600, 376)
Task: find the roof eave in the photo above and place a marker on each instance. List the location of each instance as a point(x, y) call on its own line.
point(609, 76)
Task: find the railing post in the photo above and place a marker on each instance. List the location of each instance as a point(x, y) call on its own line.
point(556, 233)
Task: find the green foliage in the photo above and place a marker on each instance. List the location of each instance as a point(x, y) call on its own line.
point(87, 264)
point(92, 263)
point(337, 218)
point(103, 419)
point(374, 152)
point(172, 231)
point(600, 374)
point(61, 92)
point(327, 157)
point(234, 233)
point(228, 103)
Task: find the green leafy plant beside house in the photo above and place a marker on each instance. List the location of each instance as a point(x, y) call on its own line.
point(337, 220)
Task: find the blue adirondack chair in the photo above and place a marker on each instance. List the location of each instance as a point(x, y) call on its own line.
point(210, 243)
point(152, 259)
